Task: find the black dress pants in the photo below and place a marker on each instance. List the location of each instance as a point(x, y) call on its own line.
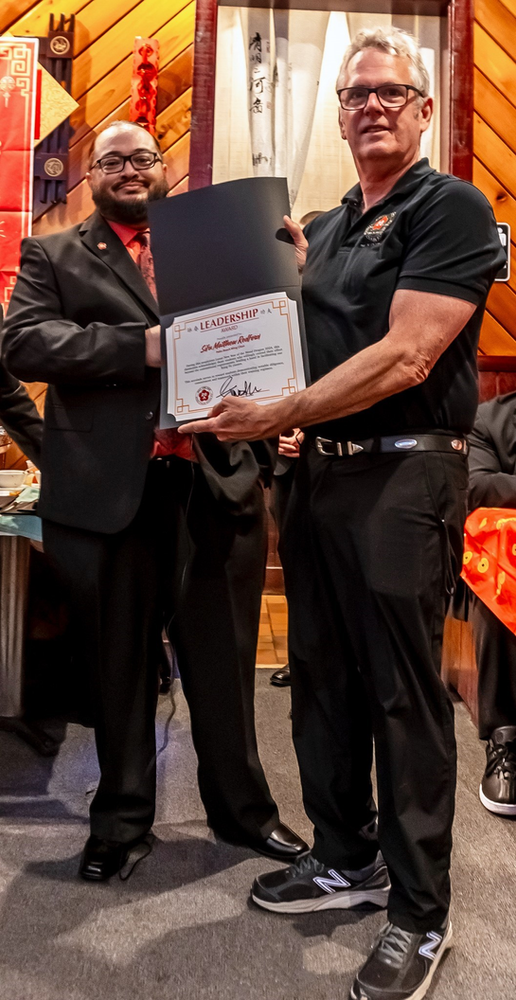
point(495, 650)
point(221, 572)
point(121, 589)
point(371, 546)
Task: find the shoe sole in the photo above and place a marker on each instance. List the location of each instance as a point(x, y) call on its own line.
point(500, 808)
point(423, 989)
point(333, 901)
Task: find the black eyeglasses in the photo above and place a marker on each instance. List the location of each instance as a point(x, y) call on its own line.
point(390, 95)
point(114, 163)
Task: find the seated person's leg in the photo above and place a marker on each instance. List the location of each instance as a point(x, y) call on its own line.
point(495, 647)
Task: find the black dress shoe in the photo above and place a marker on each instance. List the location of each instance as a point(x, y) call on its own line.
point(102, 858)
point(281, 845)
point(281, 678)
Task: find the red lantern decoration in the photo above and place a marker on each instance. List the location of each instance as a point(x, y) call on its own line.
point(144, 83)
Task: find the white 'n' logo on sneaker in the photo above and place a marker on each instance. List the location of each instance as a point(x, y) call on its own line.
point(331, 884)
point(430, 947)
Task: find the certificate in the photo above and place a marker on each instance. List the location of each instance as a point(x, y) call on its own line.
point(249, 348)
point(229, 297)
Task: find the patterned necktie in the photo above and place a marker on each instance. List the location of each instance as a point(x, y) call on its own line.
point(146, 261)
point(167, 441)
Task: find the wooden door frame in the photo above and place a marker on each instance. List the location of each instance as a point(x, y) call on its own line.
point(460, 44)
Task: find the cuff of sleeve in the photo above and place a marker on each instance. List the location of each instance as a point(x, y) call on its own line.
point(437, 287)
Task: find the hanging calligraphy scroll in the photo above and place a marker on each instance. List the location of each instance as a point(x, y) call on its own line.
point(18, 77)
point(144, 83)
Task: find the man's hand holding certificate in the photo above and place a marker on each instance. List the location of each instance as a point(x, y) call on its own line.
point(220, 346)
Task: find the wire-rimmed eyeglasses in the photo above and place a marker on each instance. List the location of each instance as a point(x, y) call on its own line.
point(390, 95)
point(114, 163)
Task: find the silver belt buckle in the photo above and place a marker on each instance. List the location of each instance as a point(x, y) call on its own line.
point(320, 443)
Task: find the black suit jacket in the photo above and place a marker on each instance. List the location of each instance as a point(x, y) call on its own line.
point(77, 320)
point(492, 457)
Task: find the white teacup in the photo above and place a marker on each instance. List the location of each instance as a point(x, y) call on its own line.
point(11, 479)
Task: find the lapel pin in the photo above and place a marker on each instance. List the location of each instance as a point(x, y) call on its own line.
point(101, 246)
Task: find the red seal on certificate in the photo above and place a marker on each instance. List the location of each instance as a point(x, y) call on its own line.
point(204, 395)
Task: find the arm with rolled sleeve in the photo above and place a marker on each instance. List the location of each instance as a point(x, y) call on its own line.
point(452, 255)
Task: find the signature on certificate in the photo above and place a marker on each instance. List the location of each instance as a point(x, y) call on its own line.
point(228, 388)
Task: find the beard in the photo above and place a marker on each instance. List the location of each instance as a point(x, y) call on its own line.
point(131, 211)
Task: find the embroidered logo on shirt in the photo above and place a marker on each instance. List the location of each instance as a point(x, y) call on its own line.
point(377, 230)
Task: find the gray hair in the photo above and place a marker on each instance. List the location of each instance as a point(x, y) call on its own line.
point(396, 42)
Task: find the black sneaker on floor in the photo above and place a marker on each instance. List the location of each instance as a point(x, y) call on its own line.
point(308, 885)
point(401, 964)
point(498, 786)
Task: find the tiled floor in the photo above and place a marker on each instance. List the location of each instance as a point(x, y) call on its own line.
point(272, 639)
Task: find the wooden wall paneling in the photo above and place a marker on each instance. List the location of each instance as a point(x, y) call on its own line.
point(494, 62)
point(498, 22)
point(97, 18)
point(174, 121)
point(495, 109)
point(180, 188)
point(494, 168)
point(115, 44)
point(35, 21)
point(492, 151)
point(494, 338)
point(105, 95)
point(12, 11)
point(501, 304)
point(177, 160)
point(176, 76)
point(504, 204)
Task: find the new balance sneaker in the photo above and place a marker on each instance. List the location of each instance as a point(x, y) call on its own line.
point(498, 786)
point(308, 885)
point(401, 964)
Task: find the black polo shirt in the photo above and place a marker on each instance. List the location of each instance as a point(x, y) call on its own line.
point(432, 233)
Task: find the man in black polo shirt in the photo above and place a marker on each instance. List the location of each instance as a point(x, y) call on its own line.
point(394, 290)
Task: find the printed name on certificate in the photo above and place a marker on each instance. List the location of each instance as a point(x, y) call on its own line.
point(249, 348)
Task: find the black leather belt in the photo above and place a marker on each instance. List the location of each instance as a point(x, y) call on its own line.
point(403, 444)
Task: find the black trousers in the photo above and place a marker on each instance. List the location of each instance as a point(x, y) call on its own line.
point(495, 649)
point(281, 489)
point(371, 545)
point(186, 562)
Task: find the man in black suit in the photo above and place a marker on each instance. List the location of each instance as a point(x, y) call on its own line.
point(492, 483)
point(142, 529)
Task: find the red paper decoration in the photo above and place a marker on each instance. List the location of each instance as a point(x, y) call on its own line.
point(144, 83)
point(18, 64)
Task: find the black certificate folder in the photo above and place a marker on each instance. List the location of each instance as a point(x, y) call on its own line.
point(218, 245)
